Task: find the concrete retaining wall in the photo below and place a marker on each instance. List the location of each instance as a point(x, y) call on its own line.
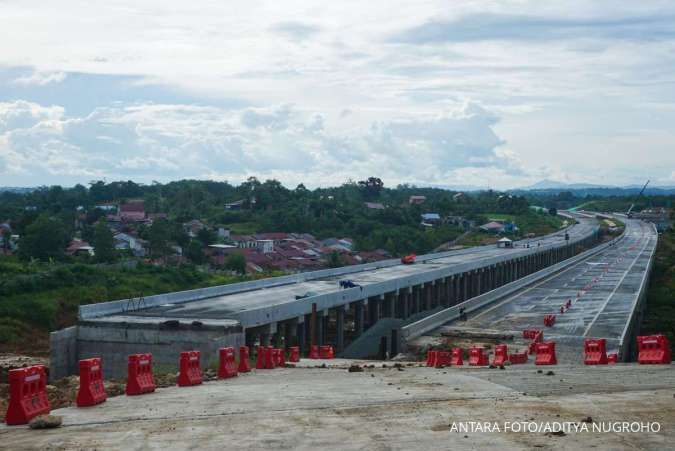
point(63, 354)
point(114, 342)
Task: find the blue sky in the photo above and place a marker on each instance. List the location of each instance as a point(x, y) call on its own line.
point(494, 93)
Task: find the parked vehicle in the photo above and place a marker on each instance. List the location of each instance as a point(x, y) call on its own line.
point(348, 283)
point(409, 259)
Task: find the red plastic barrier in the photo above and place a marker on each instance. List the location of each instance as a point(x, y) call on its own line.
point(545, 354)
point(313, 352)
point(595, 352)
point(139, 375)
point(432, 356)
point(530, 333)
point(270, 360)
point(456, 358)
point(518, 358)
point(477, 357)
point(27, 394)
point(612, 358)
point(501, 355)
point(91, 391)
point(244, 365)
point(227, 365)
point(654, 350)
point(326, 352)
point(280, 357)
point(260, 358)
point(294, 354)
point(549, 320)
point(190, 372)
point(443, 359)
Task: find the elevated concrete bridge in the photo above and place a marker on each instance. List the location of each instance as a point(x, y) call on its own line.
point(267, 311)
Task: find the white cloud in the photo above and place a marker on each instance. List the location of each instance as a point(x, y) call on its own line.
point(41, 78)
point(330, 89)
point(158, 142)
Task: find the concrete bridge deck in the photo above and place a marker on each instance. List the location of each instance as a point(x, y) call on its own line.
point(236, 305)
point(604, 289)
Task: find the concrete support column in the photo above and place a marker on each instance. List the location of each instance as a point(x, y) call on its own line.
point(358, 317)
point(320, 327)
point(340, 329)
point(302, 333)
point(407, 294)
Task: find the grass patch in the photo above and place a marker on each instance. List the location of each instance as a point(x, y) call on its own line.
point(244, 228)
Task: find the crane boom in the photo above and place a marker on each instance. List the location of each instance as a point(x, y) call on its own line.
point(628, 213)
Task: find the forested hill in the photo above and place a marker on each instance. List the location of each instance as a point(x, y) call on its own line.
point(389, 221)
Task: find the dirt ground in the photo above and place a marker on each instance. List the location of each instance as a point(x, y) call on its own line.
point(381, 407)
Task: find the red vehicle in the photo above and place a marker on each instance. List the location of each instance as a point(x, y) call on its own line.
point(408, 259)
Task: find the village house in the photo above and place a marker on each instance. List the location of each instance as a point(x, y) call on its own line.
point(417, 200)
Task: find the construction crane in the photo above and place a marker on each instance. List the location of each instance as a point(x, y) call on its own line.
point(629, 212)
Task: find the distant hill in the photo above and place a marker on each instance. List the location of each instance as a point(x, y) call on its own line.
point(12, 189)
point(586, 189)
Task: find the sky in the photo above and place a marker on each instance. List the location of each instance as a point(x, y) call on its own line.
point(497, 94)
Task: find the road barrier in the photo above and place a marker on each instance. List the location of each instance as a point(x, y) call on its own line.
point(244, 365)
point(260, 358)
point(270, 361)
point(432, 356)
point(313, 352)
point(530, 333)
point(326, 352)
point(477, 357)
point(91, 390)
point(612, 358)
point(27, 394)
point(549, 320)
point(227, 365)
point(518, 358)
point(595, 352)
point(501, 355)
point(653, 350)
point(190, 372)
point(443, 359)
point(456, 358)
point(294, 354)
point(280, 357)
point(546, 354)
point(139, 375)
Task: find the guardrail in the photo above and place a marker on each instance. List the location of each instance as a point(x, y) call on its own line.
point(90, 311)
point(642, 292)
point(436, 320)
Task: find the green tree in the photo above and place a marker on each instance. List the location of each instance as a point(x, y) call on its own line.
point(195, 252)
point(236, 262)
point(103, 242)
point(44, 239)
point(334, 260)
point(158, 235)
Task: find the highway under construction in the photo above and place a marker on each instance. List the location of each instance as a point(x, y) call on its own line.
point(281, 399)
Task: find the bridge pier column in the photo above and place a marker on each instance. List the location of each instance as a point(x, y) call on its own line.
point(340, 329)
point(301, 333)
point(358, 317)
point(320, 327)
